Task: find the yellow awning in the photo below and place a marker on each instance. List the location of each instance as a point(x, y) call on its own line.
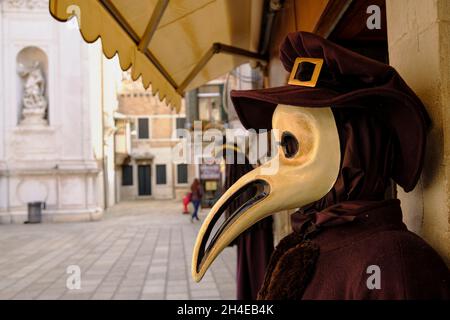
point(174, 45)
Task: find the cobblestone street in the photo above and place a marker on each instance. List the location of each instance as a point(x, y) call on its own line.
point(140, 250)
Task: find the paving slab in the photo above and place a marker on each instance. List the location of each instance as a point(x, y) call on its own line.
point(140, 250)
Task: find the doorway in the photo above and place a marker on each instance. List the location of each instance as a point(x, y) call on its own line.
point(144, 180)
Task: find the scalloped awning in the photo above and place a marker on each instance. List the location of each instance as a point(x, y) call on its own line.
point(174, 45)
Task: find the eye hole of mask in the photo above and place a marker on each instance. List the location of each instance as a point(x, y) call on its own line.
point(289, 144)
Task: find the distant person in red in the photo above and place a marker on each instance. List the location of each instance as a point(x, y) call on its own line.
point(186, 200)
point(196, 198)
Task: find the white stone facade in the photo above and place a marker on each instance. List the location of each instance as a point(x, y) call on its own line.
point(60, 160)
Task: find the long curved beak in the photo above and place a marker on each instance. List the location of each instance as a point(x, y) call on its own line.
point(209, 245)
point(290, 186)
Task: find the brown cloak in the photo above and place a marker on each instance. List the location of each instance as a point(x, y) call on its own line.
point(337, 240)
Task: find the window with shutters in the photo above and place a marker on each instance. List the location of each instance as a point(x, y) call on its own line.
point(127, 175)
point(182, 173)
point(161, 177)
point(143, 129)
point(181, 123)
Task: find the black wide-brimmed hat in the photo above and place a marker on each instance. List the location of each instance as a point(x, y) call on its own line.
point(324, 74)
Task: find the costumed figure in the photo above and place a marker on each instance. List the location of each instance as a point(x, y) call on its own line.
point(347, 126)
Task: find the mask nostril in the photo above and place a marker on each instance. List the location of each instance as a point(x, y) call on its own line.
point(289, 144)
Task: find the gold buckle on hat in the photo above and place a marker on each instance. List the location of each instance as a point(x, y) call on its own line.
point(315, 75)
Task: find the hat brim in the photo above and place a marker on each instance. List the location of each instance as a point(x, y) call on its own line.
point(404, 113)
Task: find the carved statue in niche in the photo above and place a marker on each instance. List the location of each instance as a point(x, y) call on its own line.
point(34, 101)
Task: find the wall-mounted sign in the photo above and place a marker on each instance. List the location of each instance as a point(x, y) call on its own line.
point(209, 171)
point(211, 185)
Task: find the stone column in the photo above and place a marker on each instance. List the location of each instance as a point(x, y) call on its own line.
point(3, 181)
point(419, 48)
point(2, 89)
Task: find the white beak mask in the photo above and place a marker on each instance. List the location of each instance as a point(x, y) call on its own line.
point(303, 171)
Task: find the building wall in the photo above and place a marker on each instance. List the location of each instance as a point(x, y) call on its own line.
point(135, 102)
point(161, 127)
point(159, 191)
point(3, 182)
point(422, 30)
point(57, 163)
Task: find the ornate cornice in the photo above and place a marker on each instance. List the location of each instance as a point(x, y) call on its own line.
point(26, 4)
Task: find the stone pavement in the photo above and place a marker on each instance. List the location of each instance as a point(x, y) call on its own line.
point(140, 250)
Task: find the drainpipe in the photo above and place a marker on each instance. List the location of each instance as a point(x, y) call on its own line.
point(114, 166)
point(104, 163)
point(174, 181)
point(270, 12)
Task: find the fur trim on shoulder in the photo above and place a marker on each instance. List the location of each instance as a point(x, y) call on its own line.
point(290, 269)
